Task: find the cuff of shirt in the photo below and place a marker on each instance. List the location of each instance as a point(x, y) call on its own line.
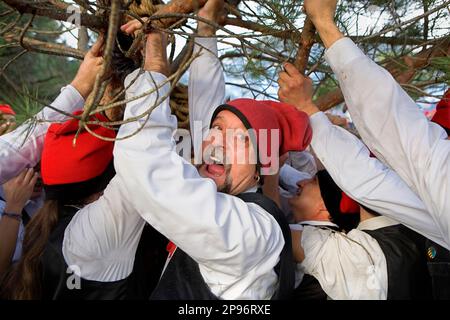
point(318, 121)
point(341, 53)
point(74, 97)
point(144, 81)
point(208, 44)
point(69, 100)
point(319, 124)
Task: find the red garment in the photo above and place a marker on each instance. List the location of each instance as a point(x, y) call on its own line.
point(348, 205)
point(64, 163)
point(295, 132)
point(6, 109)
point(442, 115)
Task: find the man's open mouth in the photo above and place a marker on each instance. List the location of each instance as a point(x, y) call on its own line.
point(216, 168)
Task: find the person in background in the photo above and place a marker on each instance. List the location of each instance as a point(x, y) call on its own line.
point(226, 244)
point(388, 120)
point(379, 259)
point(14, 198)
point(7, 119)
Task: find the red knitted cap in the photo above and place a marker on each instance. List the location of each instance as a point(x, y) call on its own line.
point(65, 163)
point(295, 132)
point(6, 109)
point(442, 115)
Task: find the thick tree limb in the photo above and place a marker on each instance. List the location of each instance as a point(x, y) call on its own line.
point(60, 13)
point(46, 47)
point(306, 43)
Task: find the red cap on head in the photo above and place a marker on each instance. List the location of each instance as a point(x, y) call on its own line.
point(6, 109)
point(65, 163)
point(442, 115)
point(295, 132)
point(348, 205)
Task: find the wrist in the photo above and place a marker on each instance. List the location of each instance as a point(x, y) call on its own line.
point(205, 30)
point(328, 32)
point(160, 67)
point(81, 87)
point(309, 108)
point(13, 209)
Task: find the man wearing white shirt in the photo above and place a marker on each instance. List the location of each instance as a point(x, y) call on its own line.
point(387, 119)
point(365, 262)
point(226, 248)
point(347, 160)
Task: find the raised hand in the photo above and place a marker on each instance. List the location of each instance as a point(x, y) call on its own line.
point(321, 13)
point(18, 190)
point(93, 60)
point(213, 11)
point(320, 10)
point(296, 89)
point(155, 47)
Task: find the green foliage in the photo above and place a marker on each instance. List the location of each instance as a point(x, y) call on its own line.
point(38, 74)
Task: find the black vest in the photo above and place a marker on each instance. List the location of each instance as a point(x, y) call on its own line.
point(408, 277)
point(149, 261)
point(182, 279)
point(439, 269)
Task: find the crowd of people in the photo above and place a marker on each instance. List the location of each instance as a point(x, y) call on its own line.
point(277, 202)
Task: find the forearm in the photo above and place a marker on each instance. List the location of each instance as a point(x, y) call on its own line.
point(9, 229)
point(206, 89)
point(328, 32)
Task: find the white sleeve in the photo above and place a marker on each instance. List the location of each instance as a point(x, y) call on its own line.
point(102, 238)
point(368, 180)
point(290, 176)
point(342, 264)
point(22, 147)
point(206, 89)
point(219, 231)
point(393, 128)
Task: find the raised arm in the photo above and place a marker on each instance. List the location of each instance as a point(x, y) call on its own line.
point(215, 229)
point(348, 161)
point(206, 78)
point(22, 148)
point(386, 117)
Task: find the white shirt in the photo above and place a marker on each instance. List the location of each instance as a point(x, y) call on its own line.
point(395, 130)
point(235, 244)
point(348, 266)
point(22, 148)
point(368, 180)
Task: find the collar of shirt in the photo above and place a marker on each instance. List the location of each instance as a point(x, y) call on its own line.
point(253, 189)
point(376, 223)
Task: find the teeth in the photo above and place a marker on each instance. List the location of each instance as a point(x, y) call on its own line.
point(216, 160)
